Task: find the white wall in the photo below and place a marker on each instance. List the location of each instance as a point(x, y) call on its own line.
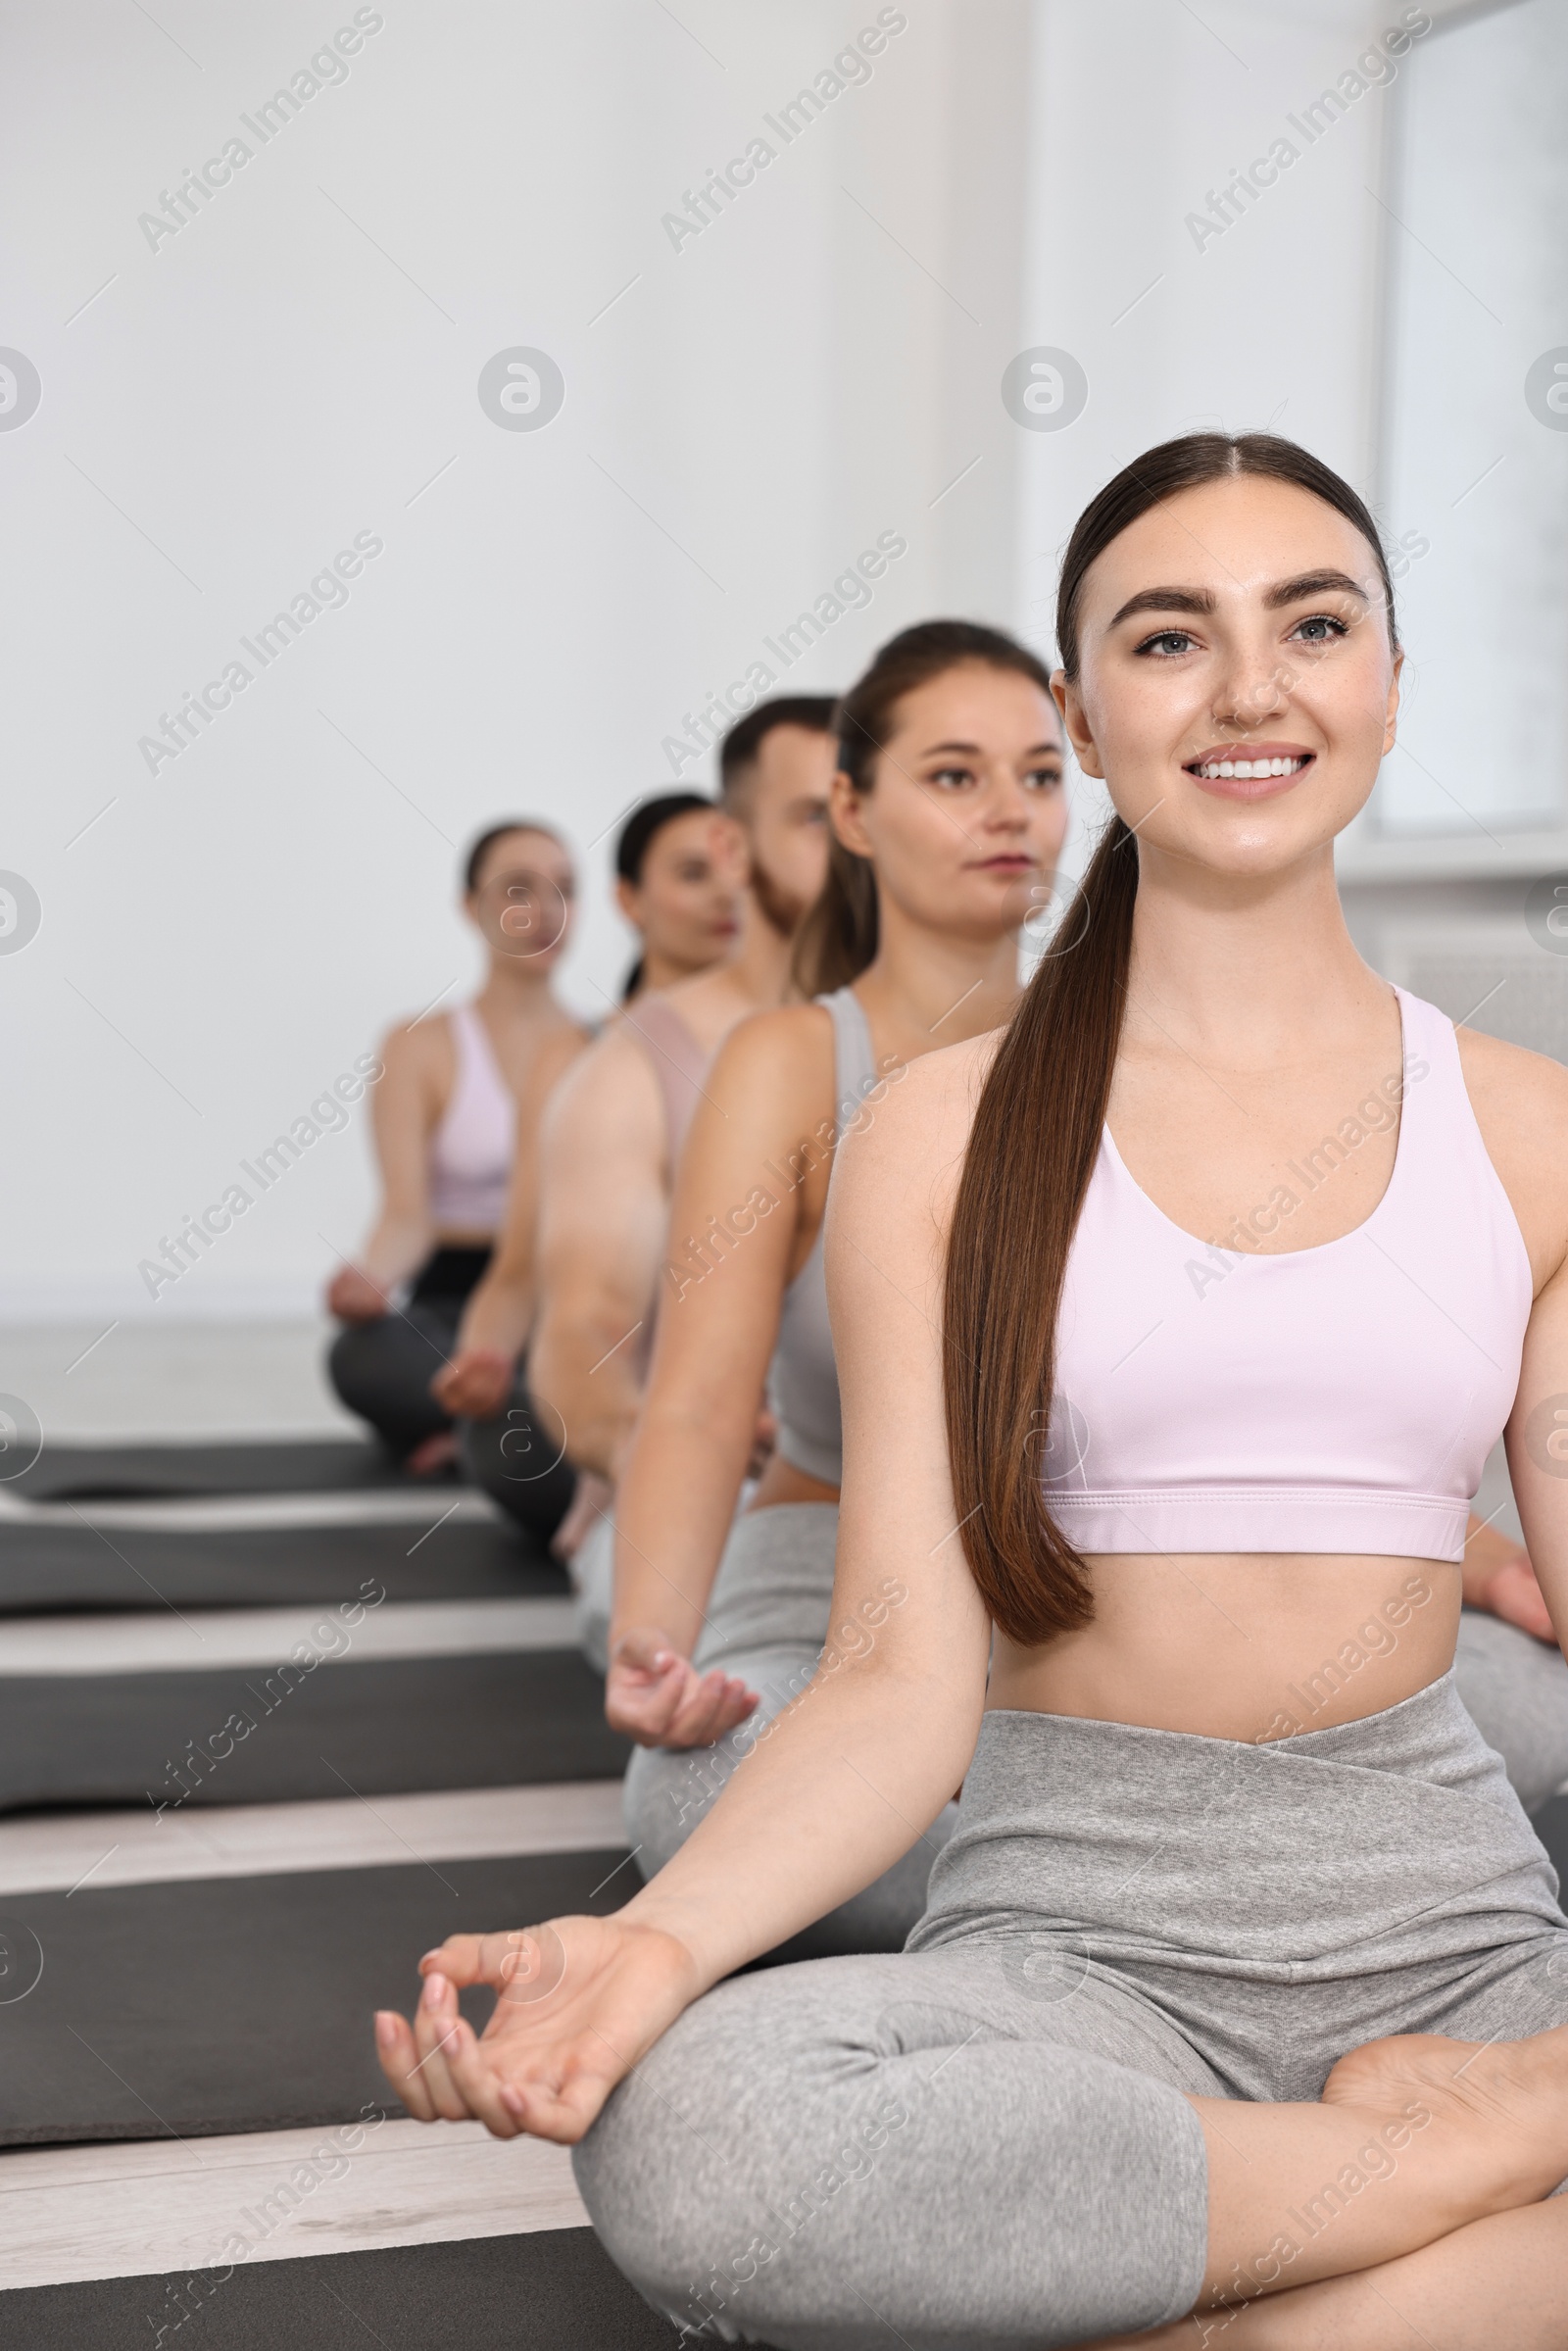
point(821, 364)
point(236, 405)
point(1141, 110)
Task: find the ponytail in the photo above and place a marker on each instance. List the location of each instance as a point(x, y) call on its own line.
point(1031, 1153)
point(1040, 1117)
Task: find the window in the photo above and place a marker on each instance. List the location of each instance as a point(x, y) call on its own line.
point(1474, 474)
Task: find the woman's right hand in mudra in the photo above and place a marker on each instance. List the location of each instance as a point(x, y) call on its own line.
point(658, 1698)
point(579, 2001)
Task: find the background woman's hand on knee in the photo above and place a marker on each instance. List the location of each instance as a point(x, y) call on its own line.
point(658, 1698)
point(1498, 1577)
point(578, 2002)
point(352, 1297)
point(474, 1385)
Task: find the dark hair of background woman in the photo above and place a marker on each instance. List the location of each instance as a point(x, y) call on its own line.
point(633, 842)
point(473, 863)
point(1041, 1113)
point(838, 938)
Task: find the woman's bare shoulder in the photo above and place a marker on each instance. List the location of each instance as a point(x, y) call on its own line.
point(609, 1086)
point(912, 1146)
point(419, 1048)
point(787, 1053)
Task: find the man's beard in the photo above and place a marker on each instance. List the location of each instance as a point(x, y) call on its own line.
point(780, 909)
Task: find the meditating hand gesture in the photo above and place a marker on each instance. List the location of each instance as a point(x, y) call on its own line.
point(658, 1698)
point(579, 2001)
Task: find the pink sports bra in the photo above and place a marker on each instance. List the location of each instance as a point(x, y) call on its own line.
point(471, 1151)
point(1338, 1399)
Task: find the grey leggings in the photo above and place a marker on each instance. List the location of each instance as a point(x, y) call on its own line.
point(519, 1460)
point(984, 2141)
point(767, 1623)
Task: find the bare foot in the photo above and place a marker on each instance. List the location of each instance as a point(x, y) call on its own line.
point(1503, 2105)
point(429, 1458)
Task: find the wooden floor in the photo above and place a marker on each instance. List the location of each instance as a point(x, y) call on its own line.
point(139, 2209)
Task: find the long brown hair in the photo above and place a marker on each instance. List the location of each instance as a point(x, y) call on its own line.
point(838, 940)
point(1040, 1116)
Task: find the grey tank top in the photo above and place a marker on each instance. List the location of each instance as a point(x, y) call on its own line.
point(803, 1381)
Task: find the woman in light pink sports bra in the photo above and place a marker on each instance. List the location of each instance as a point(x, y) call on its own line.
point(1239, 2009)
point(460, 1098)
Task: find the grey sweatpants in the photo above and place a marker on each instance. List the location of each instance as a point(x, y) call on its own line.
point(767, 1621)
point(983, 2142)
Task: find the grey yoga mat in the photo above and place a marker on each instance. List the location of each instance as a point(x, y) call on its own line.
point(217, 2005)
point(554, 2289)
point(46, 1570)
point(257, 1736)
point(286, 1465)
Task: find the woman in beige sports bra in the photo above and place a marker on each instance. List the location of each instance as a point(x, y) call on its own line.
point(458, 1103)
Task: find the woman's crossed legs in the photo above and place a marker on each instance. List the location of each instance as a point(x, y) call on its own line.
point(984, 2145)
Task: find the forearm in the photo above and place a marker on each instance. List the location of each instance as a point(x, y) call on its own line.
point(497, 1315)
point(396, 1248)
point(586, 1372)
point(673, 1513)
point(835, 1790)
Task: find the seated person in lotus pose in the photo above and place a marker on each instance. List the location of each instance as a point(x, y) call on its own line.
point(458, 1106)
point(1231, 1999)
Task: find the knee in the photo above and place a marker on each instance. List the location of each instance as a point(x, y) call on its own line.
point(678, 2201)
point(354, 1363)
point(513, 1458)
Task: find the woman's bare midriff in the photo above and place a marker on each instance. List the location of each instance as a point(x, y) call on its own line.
point(1235, 1646)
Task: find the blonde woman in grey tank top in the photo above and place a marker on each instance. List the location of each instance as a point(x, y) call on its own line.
point(948, 816)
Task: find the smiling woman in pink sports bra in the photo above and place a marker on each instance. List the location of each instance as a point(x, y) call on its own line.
point(458, 1101)
point(1241, 1987)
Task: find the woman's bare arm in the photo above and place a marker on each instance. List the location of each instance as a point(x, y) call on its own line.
point(403, 1110)
point(718, 1304)
point(603, 1210)
point(1520, 1100)
point(1540, 1473)
point(850, 1775)
point(863, 1761)
point(478, 1381)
